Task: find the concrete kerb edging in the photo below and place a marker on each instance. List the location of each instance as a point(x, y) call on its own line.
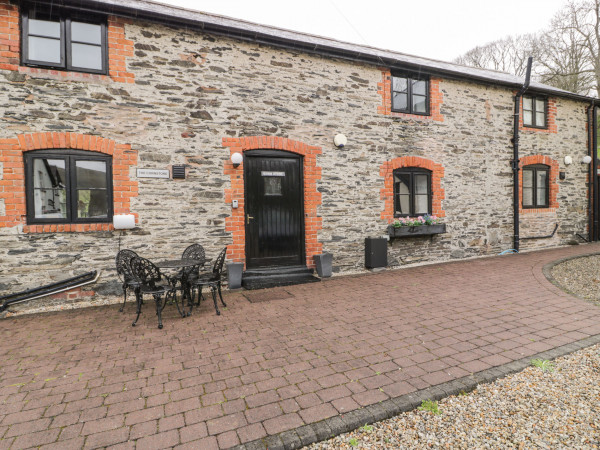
point(547, 271)
point(334, 426)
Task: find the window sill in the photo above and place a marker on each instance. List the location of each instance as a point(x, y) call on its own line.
point(68, 228)
point(423, 230)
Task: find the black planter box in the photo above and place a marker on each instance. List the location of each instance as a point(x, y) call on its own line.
point(423, 230)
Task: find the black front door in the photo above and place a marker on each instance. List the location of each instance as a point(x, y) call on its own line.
point(274, 209)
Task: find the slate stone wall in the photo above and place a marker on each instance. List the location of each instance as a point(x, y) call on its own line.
point(191, 90)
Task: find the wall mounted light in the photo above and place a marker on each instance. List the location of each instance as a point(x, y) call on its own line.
point(237, 159)
point(586, 159)
point(568, 160)
point(340, 140)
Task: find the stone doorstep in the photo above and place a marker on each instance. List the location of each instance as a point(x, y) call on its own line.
point(334, 426)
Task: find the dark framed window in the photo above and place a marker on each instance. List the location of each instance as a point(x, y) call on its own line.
point(412, 192)
point(534, 111)
point(536, 186)
point(410, 94)
point(68, 186)
point(63, 40)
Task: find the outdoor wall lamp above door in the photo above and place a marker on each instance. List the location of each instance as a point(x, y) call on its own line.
point(586, 159)
point(237, 159)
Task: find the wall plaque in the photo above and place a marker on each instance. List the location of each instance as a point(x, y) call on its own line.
point(153, 173)
point(264, 173)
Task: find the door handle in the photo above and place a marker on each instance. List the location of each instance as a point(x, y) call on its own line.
point(248, 217)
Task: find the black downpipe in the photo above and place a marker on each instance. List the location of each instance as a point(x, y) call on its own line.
point(515, 160)
point(590, 184)
point(596, 198)
point(547, 236)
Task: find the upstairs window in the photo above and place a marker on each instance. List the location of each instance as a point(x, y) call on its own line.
point(68, 186)
point(410, 94)
point(412, 192)
point(64, 41)
point(536, 186)
point(534, 112)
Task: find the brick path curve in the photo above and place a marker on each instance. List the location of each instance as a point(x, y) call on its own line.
point(86, 378)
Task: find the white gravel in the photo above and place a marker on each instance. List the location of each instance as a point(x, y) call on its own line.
point(530, 409)
point(580, 276)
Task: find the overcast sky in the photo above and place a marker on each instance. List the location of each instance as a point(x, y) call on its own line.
point(438, 29)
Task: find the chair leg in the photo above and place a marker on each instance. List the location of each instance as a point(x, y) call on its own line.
point(213, 290)
point(221, 295)
point(188, 294)
point(124, 297)
point(138, 301)
point(200, 296)
point(181, 313)
point(157, 300)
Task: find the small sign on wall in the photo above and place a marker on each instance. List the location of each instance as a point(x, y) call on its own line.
point(264, 173)
point(153, 173)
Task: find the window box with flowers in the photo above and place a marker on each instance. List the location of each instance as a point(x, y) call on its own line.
point(425, 225)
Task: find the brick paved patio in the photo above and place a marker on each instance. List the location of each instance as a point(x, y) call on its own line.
point(86, 378)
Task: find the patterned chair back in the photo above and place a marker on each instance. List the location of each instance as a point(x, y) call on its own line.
point(194, 251)
point(146, 272)
point(123, 263)
point(218, 267)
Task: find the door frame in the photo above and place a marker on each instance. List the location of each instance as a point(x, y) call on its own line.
point(278, 154)
point(234, 224)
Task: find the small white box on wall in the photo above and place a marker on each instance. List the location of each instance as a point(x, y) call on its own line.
point(123, 221)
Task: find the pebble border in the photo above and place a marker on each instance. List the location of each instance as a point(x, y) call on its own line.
point(547, 271)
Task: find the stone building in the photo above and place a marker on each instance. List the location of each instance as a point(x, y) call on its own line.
point(91, 92)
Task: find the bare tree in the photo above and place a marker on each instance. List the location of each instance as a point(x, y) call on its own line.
point(566, 55)
point(506, 55)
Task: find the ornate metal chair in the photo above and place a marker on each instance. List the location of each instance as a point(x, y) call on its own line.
point(189, 275)
point(212, 280)
point(150, 278)
point(123, 263)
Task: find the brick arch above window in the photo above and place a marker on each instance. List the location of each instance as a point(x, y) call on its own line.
point(552, 182)
point(312, 198)
point(12, 182)
point(386, 170)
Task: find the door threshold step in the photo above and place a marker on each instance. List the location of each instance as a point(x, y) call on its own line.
point(280, 276)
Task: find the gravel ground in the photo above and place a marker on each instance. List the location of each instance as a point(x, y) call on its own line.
point(580, 276)
point(554, 407)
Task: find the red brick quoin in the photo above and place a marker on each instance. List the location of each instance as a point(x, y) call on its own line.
point(119, 49)
point(435, 102)
point(312, 198)
point(552, 181)
point(12, 182)
point(387, 193)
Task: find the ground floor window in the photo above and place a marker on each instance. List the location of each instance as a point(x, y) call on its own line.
point(536, 186)
point(412, 192)
point(68, 186)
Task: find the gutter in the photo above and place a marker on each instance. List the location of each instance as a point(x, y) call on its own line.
point(515, 160)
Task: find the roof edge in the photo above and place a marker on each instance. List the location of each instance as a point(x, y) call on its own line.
point(298, 41)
